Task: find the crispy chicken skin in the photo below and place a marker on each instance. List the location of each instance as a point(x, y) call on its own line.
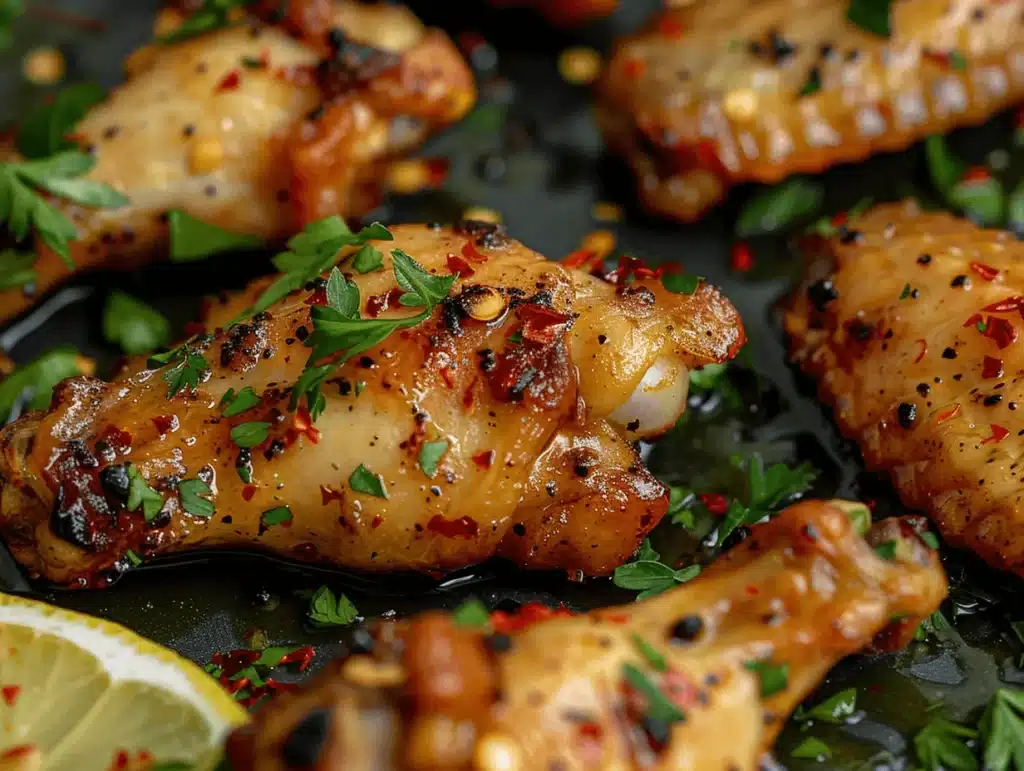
point(537, 468)
point(265, 149)
point(726, 91)
point(910, 324)
point(803, 591)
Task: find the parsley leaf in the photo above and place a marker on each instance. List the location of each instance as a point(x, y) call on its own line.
point(776, 208)
point(768, 490)
point(681, 283)
point(367, 259)
point(944, 168)
point(191, 492)
point(835, 709)
point(141, 494)
point(16, 268)
point(1002, 727)
point(473, 613)
point(278, 515)
point(326, 610)
point(774, 677)
point(10, 11)
point(250, 434)
point(658, 705)
point(942, 745)
point(24, 209)
point(29, 387)
point(422, 287)
point(213, 14)
point(235, 404)
point(190, 368)
point(872, 16)
point(193, 239)
point(430, 455)
point(652, 654)
point(133, 325)
point(44, 131)
point(812, 748)
point(362, 480)
point(648, 575)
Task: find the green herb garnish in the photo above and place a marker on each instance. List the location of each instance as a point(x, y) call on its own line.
point(681, 283)
point(906, 292)
point(649, 576)
point(193, 239)
point(887, 550)
point(235, 404)
point(472, 613)
point(278, 515)
point(835, 709)
point(430, 456)
point(367, 259)
point(776, 208)
point(10, 12)
point(362, 480)
point(213, 14)
point(658, 705)
point(652, 654)
point(328, 610)
point(813, 83)
point(774, 677)
point(187, 369)
point(812, 749)
point(1002, 729)
point(30, 386)
point(250, 434)
point(873, 16)
point(768, 490)
point(191, 492)
point(942, 746)
point(133, 325)
point(141, 494)
point(44, 131)
point(16, 268)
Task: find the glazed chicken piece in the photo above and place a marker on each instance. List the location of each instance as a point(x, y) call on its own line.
point(565, 12)
point(910, 323)
point(499, 426)
point(701, 677)
point(258, 129)
point(721, 92)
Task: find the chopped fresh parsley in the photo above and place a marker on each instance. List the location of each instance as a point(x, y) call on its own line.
point(250, 434)
point(681, 283)
point(944, 746)
point(328, 610)
point(472, 613)
point(812, 748)
point(16, 268)
point(931, 540)
point(367, 259)
point(768, 490)
point(905, 293)
point(872, 16)
point(279, 515)
point(187, 369)
point(984, 201)
point(957, 60)
point(887, 550)
point(813, 83)
point(133, 325)
point(193, 239)
point(141, 494)
point(1002, 730)
point(133, 559)
point(658, 705)
point(649, 576)
point(362, 480)
point(652, 654)
point(24, 209)
point(10, 12)
point(30, 385)
point(776, 208)
point(213, 14)
point(44, 131)
point(430, 456)
point(235, 404)
point(191, 492)
point(774, 677)
point(828, 227)
point(835, 709)
point(936, 625)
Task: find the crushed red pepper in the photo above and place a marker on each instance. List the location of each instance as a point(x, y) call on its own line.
point(1000, 331)
point(999, 433)
point(458, 266)
point(947, 414)
point(741, 258)
point(987, 272)
point(924, 349)
point(991, 367)
point(525, 616)
point(541, 326)
point(230, 82)
point(10, 694)
point(716, 503)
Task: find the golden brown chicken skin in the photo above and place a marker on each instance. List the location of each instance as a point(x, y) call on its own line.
point(724, 91)
point(910, 322)
point(801, 593)
point(532, 377)
point(258, 129)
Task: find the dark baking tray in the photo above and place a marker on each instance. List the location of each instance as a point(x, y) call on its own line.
point(541, 166)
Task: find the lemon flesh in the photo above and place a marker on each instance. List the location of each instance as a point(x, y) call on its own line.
point(79, 693)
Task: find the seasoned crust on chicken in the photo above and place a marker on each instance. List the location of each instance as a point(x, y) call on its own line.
point(537, 465)
point(260, 150)
point(802, 592)
point(725, 91)
point(910, 324)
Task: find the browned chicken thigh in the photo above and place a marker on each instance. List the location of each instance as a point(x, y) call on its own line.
point(700, 678)
point(500, 425)
point(910, 322)
point(719, 92)
point(258, 129)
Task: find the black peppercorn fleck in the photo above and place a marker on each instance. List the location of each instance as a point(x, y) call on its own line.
point(907, 414)
point(687, 629)
point(948, 353)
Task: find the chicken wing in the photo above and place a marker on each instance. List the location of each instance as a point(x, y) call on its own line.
point(258, 129)
point(909, 322)
point(701, 677)
point(500, 425)
point(725, 91)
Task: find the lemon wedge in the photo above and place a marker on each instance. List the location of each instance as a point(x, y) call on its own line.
point(82, 694)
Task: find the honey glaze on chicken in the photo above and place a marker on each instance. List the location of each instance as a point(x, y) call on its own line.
point(500, 425)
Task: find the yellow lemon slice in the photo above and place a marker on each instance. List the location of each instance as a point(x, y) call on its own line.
point(82, 694)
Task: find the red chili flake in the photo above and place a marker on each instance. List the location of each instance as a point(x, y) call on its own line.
point(302, 656)
point(617, 618)
point(716, 503)
point(541, 326)
point(318, 297)
point(987, 272)
point(303, 425)
point(10, 694)
point(446, 376)
point(230, 81)
point(437, 171)
point(472, 254)
point(870, 503)
point(591, 730)
point(839, 219)
point(527, 615)
point(377, 522)
point(630, 267)
point(120, 761)
point(1007, 305)
point(948, 414)
point(924, 349)
point(634, 68)
point(485, 459)
point(459, 266)
point(463, 527)
point(248, 492)
point(193, 328)
point(327, 495)
point(17, 751)
point(742, 259)
point(991, 368)
point(579, 258)
point(165, 424)
point(976, 174)
point(752, 590)
point(671, 27)
point(378, 303)
point(1001, 331)
point(998, 434)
